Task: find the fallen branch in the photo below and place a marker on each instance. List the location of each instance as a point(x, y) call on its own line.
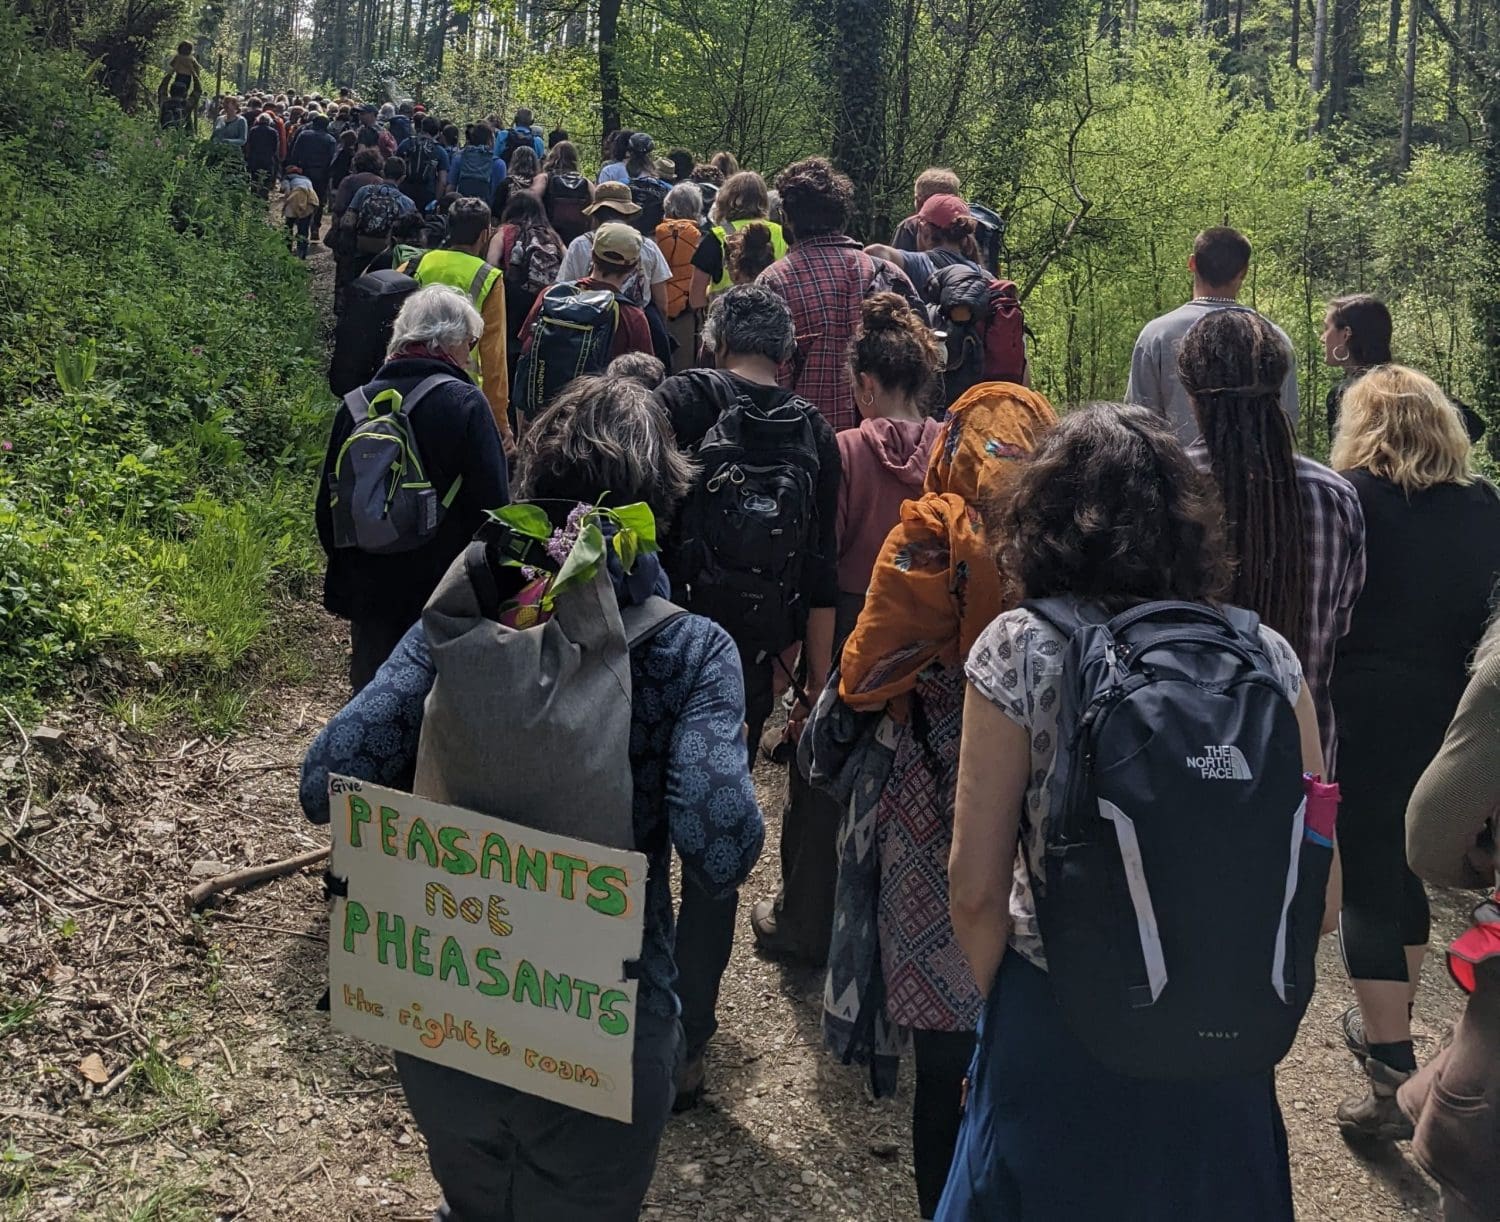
point(254, 874)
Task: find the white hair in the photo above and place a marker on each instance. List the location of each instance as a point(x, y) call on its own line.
point(683, 202)
point(437, 316)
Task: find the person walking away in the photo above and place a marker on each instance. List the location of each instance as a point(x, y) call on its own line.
point(638, 367)
point(1453, 1100)
point(348, 262)
point(462, 265)
point(373, 212)
point(477, 172)
point(497, 1154)
point(556, 136)
point(520, 136)
point(1430, 524)
point(897, 978)
point(261, 155)
point(425, 379)
point(756, 555)
point(1050, 1130)
point(566, 192)
point(743, 200)
point(231, 128)
point(748, 252)
point(647, 190)
point(616, 150)
point(930, 182)
point(370, 134)
point(314, 151)
point(647, 287)
point(573, 329)
point(528, 253)
point(1356, 337)
point(523, 176)
point(426, 165)
point(298, 208)
point(1219, 264)
point(677, 237)
point(1295, 529)
point(825, 279)
point(945, 238)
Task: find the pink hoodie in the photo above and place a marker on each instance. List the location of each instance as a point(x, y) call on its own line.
point(884, 463)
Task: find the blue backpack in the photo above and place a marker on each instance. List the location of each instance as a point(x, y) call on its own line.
point(472, 177)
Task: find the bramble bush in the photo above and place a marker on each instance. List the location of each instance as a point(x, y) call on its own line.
point(161, 401)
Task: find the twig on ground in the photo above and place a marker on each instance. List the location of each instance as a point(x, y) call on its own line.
point(231, 923)
point(61, 877)
point(254, 874)
point(62, 912)
point(249, 1186)
point(25, 767)
point(228, 1060)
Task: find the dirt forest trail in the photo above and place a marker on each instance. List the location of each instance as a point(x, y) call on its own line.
point(174, 1067)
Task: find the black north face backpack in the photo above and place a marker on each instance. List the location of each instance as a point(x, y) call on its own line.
point(1182, 889)
point(751, 521)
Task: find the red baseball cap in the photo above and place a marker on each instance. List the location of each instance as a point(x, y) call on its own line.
point(944, 211)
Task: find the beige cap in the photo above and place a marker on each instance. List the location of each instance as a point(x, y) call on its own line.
point(618, 244)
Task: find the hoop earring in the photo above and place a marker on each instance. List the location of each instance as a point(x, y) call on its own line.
point(1341, 353)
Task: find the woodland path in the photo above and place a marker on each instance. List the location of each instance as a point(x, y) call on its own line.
point(223, 1093)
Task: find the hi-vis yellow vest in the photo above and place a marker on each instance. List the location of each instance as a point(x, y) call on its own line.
point(778, 246)
point(469, 274)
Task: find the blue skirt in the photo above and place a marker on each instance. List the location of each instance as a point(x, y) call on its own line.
point(1050, 1135)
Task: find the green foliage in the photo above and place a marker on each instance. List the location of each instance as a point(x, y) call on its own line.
point(160, 398)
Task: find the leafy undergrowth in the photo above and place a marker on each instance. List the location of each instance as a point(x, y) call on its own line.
point(160, 403)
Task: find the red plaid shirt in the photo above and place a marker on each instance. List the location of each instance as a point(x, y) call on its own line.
point(825, 280)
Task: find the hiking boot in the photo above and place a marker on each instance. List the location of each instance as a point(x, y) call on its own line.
point(691, 1079)
point(1377, 1116)
point(1352, 1024)
point(773, 744)
point(772, 940)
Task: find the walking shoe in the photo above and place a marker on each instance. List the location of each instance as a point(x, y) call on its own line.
point(772, 940)
point(691, 1079)
point(1376, 1116)
point(773, 744)
point(1352, 1023)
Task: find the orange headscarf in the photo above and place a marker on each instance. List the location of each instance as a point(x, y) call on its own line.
point(935, 586)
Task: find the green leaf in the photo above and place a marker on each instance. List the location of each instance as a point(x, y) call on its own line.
point(641, 522)
point(528, 520)
point(626, 548)
point(582, 562)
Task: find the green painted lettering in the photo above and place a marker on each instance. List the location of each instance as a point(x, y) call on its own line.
point(557, 992)
point(388, 817)
point(451, 962)
point(456, 858)
point(487, 960)
point(390, 934)
point(356, 922)
point(419, 836)
point(532, 864)
point(421, 955)
point(607, 884)
point(494, 851)
point(611, 1021)
point(567, 866)
point(526, 985)
point(359, 815)
point(587, 990)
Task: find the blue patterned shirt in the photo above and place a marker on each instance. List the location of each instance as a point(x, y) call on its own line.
point(687, 753)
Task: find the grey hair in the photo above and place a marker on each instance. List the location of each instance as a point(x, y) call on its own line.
point(752, 321)
point(641, 367)
point(605, 437)
point(439, 317)
point(775, 211)
point(683, 202)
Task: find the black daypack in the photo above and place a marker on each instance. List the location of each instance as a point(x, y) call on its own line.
point(1182, 892)
point(981, 324)
point(422, 162)
point(989, 228)
point(651, 195)
point(371, 303)
point(571, 336)
point(751, 521)
point(567, 196)
point(517, 138)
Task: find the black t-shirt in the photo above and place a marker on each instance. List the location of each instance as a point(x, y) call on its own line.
point(709, 257)
point(694, 401)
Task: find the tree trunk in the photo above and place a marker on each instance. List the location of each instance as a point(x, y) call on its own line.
point(1296, 35)
point(857, 58)
point(609, 65)
point(1487, 292)
point(1458, 24)
point(1393, 38)
point(1409, 92)
point(1345, 50)
point(1320, 49)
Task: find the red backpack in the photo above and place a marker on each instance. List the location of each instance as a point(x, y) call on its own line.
point(984, 325)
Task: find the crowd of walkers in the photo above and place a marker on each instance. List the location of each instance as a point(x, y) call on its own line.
point(978, 634)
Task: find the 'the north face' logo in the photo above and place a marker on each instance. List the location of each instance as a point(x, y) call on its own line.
point(1226, 763)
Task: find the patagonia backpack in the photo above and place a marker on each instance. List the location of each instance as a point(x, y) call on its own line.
point(1182, 883)
point(371, 303)
point(570, 336)
point(749, 524)
point(983, 325)
point(377, 218)
point(651, 196)
point(381, 498)
point(567, 195)
point(472, 175)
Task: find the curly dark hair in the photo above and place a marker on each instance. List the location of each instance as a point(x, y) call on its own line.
point(894, 345)
point(815, 198)
point(1232, 364)
point(1110, 510)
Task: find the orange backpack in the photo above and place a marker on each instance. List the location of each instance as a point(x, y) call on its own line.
point(678, 240)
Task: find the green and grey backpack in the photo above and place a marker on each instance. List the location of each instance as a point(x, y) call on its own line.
point(381, 498)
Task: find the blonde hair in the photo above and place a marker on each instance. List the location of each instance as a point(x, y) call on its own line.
point(742, 198)
point(1396, 423)
point(935, 181)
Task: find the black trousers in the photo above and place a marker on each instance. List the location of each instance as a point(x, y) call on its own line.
point(370, 644)
point(705, 923)
point(943, 1059)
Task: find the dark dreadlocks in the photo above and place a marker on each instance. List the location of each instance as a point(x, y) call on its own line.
point(1233, 364)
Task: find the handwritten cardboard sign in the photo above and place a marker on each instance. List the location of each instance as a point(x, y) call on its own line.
point(486, 946)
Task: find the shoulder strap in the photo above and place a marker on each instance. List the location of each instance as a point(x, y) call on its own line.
point(358, 404)
point(644, 620)
point(422, 389)
point(1063, 614)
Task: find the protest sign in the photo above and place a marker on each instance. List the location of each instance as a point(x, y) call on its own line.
point(484, 945)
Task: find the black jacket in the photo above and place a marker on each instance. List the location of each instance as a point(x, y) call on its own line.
point(455, 434)
point(313, 151)
point(261, 146)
